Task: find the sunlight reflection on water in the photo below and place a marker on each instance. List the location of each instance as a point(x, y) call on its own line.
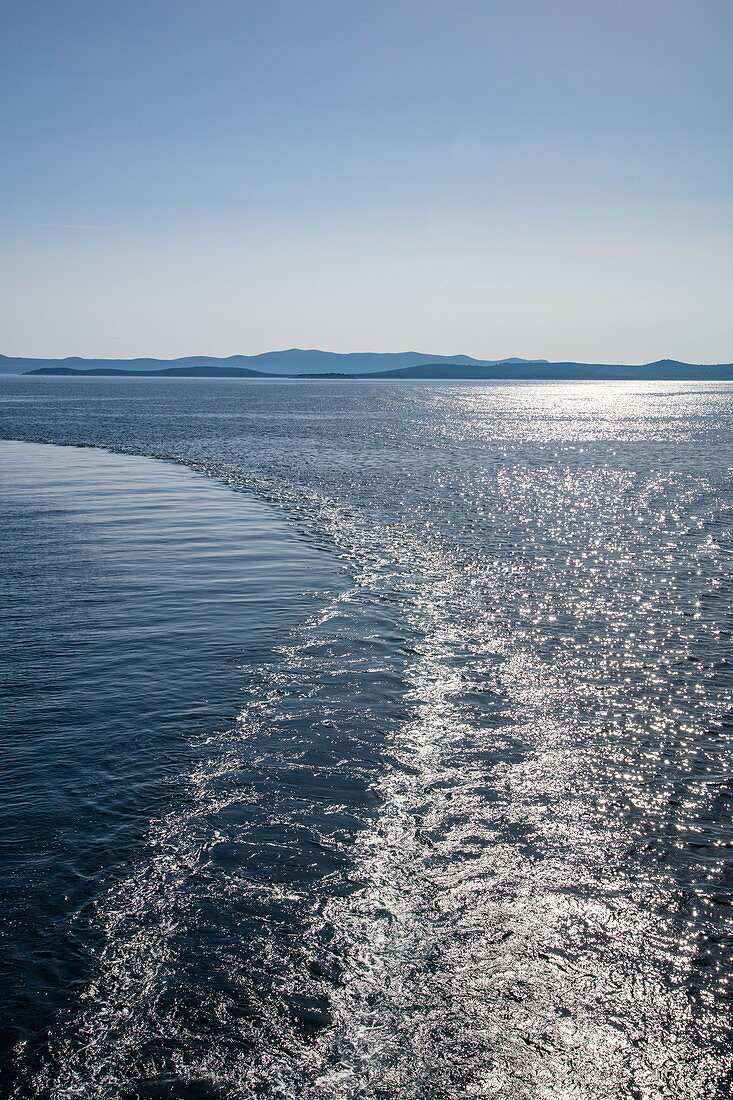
point(477, 811)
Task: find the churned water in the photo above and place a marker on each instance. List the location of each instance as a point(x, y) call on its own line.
point(405, 773)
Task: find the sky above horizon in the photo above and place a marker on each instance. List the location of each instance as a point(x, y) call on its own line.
point(539, 178)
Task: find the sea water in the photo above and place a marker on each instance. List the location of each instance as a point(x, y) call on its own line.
point(378, 748)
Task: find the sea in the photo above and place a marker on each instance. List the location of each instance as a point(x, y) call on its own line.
point(366, 740)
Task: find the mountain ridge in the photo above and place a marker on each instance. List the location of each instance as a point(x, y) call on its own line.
point(354, 366)
point(290, 361)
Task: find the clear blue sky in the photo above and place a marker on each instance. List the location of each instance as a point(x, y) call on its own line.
point(497, 177)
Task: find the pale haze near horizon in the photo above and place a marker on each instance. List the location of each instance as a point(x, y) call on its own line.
point(492, 178)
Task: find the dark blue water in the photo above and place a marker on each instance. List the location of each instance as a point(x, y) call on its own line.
point(460, 825)
point(140, 600)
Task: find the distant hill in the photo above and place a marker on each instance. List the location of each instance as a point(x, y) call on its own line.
point(167, 372)
point(445, 368)
point(294, 361)
point(670, 370)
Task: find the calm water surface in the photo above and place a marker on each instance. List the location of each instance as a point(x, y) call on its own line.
point(404, 773)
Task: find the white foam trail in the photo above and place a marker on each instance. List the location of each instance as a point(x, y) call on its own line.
point(490, 945)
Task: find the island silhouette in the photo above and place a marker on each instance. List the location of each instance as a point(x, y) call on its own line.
point(299, 363)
